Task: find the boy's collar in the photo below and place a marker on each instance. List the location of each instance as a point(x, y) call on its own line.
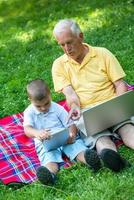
point(38, 112)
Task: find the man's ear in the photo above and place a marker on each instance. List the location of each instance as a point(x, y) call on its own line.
point(81, 36)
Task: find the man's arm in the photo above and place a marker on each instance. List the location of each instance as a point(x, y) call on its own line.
point(120, 87)
point(73, 101)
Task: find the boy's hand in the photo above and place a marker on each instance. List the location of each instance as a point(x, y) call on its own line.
point(71, 138)
point(43, 134)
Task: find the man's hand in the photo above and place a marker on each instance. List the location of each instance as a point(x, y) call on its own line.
point(43, 134)
point(73, 102)
point(74, 113)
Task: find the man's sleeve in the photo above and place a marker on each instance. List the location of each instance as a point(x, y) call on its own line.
point(59, 76)
point(113, 67)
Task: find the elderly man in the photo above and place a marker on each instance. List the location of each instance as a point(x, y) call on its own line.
point(88, 75)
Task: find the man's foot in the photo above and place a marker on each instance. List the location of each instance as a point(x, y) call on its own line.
point(45, 176)
point(113, 160)
point(92, 159)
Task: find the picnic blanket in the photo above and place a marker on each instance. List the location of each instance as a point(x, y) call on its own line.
point(18, 158)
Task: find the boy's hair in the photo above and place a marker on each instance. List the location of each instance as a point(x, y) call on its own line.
point(37, 89)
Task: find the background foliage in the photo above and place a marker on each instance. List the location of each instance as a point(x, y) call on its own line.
point(28, 49)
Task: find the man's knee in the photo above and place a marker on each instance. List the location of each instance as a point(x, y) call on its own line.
point(126, 129)
point(103, 140)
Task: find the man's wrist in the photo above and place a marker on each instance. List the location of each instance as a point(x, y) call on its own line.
point(75, 106)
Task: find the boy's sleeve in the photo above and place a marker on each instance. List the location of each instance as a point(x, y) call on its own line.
point(28, 118)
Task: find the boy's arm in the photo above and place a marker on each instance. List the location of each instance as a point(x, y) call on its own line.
point(72, 133)
point(73, 130)
point(30, 131)
point(34, 133)
point(29, 128)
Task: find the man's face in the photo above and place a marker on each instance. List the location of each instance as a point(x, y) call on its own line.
point(70, 43)
point(42, 105)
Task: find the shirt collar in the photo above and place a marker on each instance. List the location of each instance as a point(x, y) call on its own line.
point(40, 113)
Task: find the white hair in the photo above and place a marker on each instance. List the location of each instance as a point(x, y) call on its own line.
point(65, 24)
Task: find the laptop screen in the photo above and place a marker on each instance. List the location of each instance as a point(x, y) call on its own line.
point(109, 113)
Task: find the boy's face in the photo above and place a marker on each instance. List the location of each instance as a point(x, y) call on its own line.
point(42, 105)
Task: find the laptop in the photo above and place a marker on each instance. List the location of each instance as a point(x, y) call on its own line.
point(58, 139)
point(107, 114)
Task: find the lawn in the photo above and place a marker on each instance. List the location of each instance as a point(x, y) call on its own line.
point(27, 51)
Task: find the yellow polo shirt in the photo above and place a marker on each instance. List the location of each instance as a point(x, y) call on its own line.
point(93, 79)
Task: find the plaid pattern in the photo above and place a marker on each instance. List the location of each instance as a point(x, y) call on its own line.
point(18, 158)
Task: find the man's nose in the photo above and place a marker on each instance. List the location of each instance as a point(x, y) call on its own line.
point(67, 47)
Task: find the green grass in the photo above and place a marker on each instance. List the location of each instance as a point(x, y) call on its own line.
point(27, 51)
point(78, 183)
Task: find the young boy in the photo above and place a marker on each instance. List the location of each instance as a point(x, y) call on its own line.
point(41, 118)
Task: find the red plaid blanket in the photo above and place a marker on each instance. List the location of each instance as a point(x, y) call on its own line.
point(18, 158)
